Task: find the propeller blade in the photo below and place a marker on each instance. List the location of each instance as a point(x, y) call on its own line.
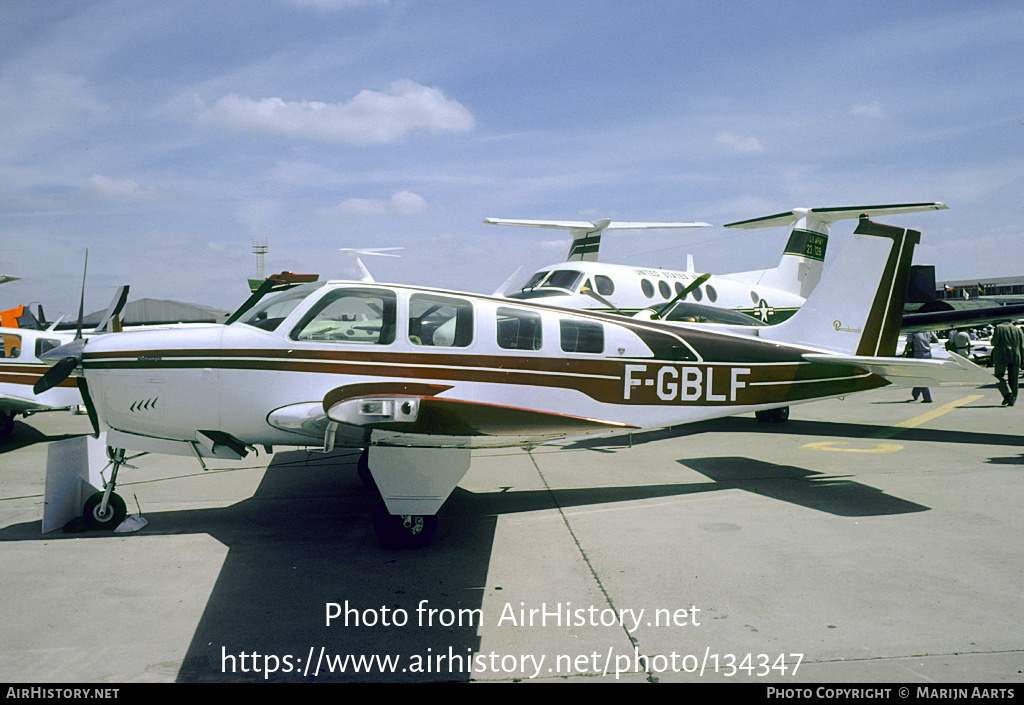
point(81, 300)
point(90, 408)
point(660, 313)
point(55, 375)
point(586, 290)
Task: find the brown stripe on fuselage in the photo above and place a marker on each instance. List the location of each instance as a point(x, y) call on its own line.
point(603, 379)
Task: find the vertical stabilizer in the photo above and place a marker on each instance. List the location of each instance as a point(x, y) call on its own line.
point(857, 308)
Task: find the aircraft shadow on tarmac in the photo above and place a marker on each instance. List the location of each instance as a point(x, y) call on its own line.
point(304, 539)
point(833, 429)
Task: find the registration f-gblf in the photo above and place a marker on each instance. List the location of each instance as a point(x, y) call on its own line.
point(419, 377)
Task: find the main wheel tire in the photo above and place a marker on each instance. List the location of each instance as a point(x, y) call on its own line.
point(363, 469)
point(409, 531)
point(780, 415)
point(111, 519)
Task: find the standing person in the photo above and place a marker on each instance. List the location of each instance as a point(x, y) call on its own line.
point(959, 342)
point(919, 344)
point(1007, 353)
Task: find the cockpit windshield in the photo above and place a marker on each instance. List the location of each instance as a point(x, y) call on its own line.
point(559, 279)
point(269, 313)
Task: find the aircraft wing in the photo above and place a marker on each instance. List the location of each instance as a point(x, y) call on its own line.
point(19, 405)
point(912, 372)
point(960, 318)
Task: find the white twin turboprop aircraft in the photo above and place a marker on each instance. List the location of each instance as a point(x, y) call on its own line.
point(418, 377)
point(770, 295)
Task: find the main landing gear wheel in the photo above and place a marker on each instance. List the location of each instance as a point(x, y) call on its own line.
point(408, 531)
point(363, 468)
point(109, 519)
point(780, 415)
point(6, 425)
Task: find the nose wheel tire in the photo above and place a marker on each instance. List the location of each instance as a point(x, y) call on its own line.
point(109, 519)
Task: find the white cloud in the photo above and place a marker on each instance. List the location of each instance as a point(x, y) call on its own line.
point(739, 143)
point(371, 117)
point(871, 110)
point(329, 5)
point(118, 189)
point(401, 203)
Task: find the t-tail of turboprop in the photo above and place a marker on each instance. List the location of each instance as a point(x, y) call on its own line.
point(800, 267)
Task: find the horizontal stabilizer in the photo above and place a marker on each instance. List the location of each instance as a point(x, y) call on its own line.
point(830, 215)
point(605, 224)
point(587, 234)
point(913, 372)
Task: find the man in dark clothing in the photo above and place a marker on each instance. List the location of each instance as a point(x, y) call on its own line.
point(1007, 353)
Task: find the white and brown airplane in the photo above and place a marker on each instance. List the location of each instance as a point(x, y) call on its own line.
point(419, 377)
point(769, 295)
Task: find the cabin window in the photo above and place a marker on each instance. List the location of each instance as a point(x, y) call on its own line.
point(518, 330)
point(271, 311)
point(664, 289)
point(697, 294)
point(581, 336)
point(365, 316)
point(712, 294)
point(440, 321)
point(605, 286)
point(10, 345)
point(647, 288)
point(679, 290)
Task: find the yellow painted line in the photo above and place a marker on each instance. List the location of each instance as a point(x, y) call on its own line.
point(833, 446)
point(925, 417)
point(845, 447)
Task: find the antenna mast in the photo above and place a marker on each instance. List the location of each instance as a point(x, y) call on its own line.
point(259, 248)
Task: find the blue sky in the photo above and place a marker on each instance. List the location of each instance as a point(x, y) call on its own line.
point(166, 137)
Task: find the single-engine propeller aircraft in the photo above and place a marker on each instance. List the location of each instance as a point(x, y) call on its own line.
point(770, 295)
point(418, 377)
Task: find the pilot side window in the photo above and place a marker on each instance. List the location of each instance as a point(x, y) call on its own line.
point(364, 316)
point(581, 336)
point(44, 345)
point(605, 286)
point(518, 330)
point(440, 320)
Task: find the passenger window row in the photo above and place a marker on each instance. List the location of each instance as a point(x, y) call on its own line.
point(368, 316)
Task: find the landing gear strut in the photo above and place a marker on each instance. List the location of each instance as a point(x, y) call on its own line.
point(106, 509)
